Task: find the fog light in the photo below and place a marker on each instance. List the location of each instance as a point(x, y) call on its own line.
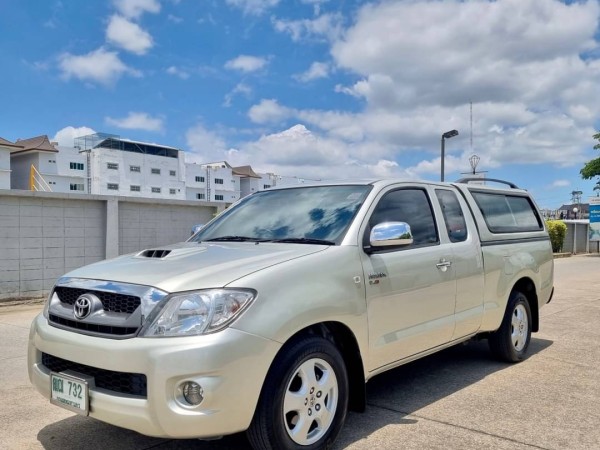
point(192, 393)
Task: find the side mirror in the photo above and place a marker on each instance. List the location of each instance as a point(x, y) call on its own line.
point(388, 234)
point(196, 228)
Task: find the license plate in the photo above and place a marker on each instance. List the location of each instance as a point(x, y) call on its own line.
point(69, 392)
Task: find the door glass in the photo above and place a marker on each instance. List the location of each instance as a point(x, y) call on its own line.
point(411, 206)
point(453, 215)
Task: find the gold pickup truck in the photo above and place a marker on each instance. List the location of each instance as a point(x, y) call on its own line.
point(273, 316)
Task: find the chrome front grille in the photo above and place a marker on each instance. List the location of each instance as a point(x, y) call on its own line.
point(112, 310)
point(111, 301)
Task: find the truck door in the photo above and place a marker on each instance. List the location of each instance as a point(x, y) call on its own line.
point(458, 228)
point(410, 290)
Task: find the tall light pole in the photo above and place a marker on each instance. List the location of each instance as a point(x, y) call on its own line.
point(446, 135)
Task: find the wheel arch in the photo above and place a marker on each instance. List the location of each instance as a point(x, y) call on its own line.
point(527, 287)
point(343, 338)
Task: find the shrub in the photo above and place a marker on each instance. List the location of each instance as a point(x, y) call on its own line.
point(557, 231)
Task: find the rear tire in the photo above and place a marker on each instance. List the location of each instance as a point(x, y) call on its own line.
point(510, 342)
point(304, 400)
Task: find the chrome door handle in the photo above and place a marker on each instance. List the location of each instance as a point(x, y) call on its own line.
point(443, 264)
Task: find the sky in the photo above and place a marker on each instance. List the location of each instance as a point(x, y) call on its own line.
point(318, 89)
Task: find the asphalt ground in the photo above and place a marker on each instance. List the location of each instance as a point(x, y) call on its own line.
point(457, 399)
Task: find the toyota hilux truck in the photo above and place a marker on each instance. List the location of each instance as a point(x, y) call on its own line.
point(272, 318)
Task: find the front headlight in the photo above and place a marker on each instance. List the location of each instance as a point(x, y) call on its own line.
point(198, 312)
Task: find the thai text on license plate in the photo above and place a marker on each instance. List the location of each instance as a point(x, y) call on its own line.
point(69, 392)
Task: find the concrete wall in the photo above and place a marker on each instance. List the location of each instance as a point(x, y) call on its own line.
point(43, 235)
point(147, 225)
point(576, 239)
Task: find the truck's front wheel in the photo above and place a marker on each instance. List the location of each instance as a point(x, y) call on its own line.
point(304, 400)
point(511, 341)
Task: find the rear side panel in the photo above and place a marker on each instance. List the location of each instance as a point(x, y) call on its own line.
point(510, 256)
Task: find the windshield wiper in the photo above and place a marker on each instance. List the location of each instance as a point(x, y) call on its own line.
point(304, 241)
point(236, 239)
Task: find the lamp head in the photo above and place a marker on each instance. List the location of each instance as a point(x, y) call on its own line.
point(449, 134)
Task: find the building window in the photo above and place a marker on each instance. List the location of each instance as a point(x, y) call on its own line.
point(155, 171)
point(218, 180)
point(76, 166)
point(134, 188)
point(172, 173)
point(112, 166)
point(266, 186)
point(112, 186)
point(218, 197)
point(75, 187)
point(134, 169)
point(156, 190)
point(200, 196)
point(199, 179)
point(172, 191)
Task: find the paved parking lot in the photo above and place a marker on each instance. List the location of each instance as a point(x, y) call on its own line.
point(457, 399)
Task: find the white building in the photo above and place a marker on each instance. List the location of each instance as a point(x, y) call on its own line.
point(106, 164)
point(39, 164)
point(213, 182)
point(6, 147)
point(250, 181)
point(132, 168)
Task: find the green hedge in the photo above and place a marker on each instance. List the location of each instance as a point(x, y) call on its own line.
point(557, 231)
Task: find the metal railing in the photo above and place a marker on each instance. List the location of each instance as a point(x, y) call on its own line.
point(37, 182)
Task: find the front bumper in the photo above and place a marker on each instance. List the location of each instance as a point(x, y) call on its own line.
point(230, 365)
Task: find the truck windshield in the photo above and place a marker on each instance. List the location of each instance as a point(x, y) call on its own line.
point(306, 215)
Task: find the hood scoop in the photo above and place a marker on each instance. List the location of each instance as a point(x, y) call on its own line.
point(154, 253)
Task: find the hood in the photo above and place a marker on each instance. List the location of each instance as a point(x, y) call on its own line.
point(190, 265)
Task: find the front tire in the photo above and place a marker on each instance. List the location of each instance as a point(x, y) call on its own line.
point(304, 400)
point(510, 342)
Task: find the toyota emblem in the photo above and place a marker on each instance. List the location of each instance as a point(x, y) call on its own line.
point(82, 307)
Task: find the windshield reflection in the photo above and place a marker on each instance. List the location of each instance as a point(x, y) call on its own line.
point(317, 213)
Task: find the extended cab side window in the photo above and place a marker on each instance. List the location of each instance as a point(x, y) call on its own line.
point(504, 213)
point(453, 215)
point(411, 206)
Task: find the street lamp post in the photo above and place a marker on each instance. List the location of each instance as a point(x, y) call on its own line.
point(446, 135)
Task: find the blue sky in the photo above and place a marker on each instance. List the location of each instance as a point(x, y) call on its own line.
point(317, 88)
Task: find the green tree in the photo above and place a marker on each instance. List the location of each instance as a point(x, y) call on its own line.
point(592, 168)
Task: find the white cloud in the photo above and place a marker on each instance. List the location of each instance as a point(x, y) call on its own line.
point(315, 71)
point(135, 8)
point(269, 111)
point(67, 135)
point(206, 146)
point(176, 71)
point(98, 66)
point(535, 99)
point(489, 51)
point(253, 7)
point(137, 121)
point(174, 19)
point(240, 88)
point(128, 35)
point(326, 27)
point(561, 183)
point(246, 63)
point(316, 5)
point(299, 152)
